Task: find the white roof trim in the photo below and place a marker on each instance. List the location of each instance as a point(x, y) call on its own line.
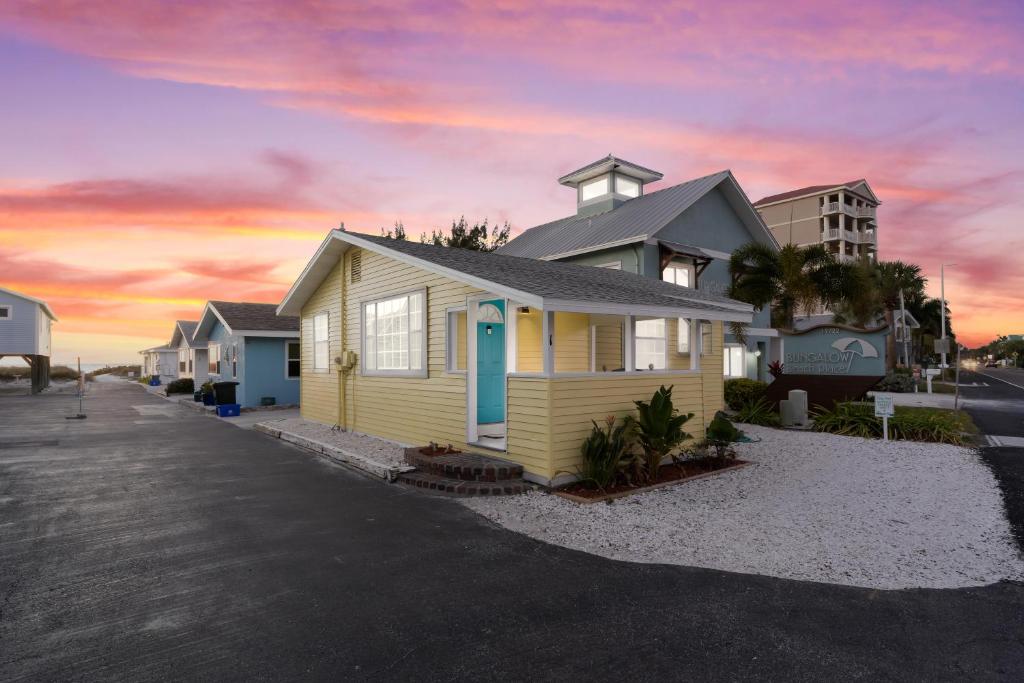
point(291, 302)
point(601, 247)
point(42, 304)
point(207, 309)
point(282, 334)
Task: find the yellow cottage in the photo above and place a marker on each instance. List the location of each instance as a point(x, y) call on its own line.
point(507, 355)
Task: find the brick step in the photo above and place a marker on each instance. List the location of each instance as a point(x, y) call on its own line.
point(433, 483)
point(464, 466)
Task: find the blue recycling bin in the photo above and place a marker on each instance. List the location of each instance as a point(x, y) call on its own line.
point(229, 410)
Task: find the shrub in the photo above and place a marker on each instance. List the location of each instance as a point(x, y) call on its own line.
point(896, 382)
point(185, 385)
point(758, 412)
point(741, 390)
point(206, 387)
point(604, 452)
point(908, 423)
point(720, 435)
point(659, 429)
point(776, 368)
point(63, 372)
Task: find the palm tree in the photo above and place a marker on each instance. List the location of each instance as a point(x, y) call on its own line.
point(793, 280)
point(891, 278)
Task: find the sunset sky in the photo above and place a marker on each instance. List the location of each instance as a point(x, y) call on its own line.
point(156, 155)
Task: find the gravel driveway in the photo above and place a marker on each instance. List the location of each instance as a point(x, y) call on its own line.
point(818, 507)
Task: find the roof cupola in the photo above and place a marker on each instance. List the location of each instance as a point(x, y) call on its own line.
point(607, 183)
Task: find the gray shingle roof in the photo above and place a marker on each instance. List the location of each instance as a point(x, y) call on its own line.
point(249, 316)
point(558, 281)
point(188, 327)
point(633, 221)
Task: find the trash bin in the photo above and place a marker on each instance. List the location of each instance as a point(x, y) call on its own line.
point(224, 392)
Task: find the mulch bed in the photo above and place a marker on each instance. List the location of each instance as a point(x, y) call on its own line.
point(667, 476)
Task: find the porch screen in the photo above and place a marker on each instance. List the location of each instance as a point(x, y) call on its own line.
point(393, 334)
point(650, 344)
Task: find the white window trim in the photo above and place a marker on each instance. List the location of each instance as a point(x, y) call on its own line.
point(10, 312)
point(212, 361)
point(422, 373)
point(743, 359)
point(452, 340)
point(664, 338)
point(312, 320)
point(680, 324)
point(299, 342)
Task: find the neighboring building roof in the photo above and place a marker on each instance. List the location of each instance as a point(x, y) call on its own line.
point(183, 329)
point(816, 189)
point(543, 284)
point(609, 163)
point(42, 304)
point(157, 349)
point(634, 221)
point(246, 319)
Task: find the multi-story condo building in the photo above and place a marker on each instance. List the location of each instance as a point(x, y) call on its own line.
point(843, 217)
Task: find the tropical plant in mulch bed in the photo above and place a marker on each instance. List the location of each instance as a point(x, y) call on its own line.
point(605, 452)
point(720, 435)
point(758, 412)
point(659, 430)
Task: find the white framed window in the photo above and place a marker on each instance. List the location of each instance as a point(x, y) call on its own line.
point(627, 186)
point(706, 342)
point(191, 356)
point(677, 274)
point(734, 360)
point(650, 344)
point(182, 359)
point(6, 312)
point(321, 342)
point(394, 339)
point(683, 336)
point(214, 357)
point(456, 340)
point(292, 359)
point(234, 361)
point(594, 188)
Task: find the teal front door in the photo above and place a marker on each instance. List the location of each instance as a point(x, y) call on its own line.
point(490, 362)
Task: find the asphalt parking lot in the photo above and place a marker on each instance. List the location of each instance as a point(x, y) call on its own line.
point(149, 542)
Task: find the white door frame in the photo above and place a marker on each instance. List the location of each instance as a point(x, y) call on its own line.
point(472, 307)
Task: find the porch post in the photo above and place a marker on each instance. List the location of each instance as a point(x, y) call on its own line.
point(548, 341)
point(511, 335)
point(629, 343)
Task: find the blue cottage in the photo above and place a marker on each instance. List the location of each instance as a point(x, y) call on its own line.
point(250, 344)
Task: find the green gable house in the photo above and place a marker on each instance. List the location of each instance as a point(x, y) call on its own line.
point(683, 234)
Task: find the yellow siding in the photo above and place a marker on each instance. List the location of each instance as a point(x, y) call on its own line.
point(572, 342)
point(528, 428)
point(609, 347)
point(711, 372)
point(460, 346)
point(407, 409)
point(529, 328)
point(319, 399)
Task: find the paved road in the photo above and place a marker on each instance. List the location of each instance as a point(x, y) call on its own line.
point(998, 410)
point(149, 542)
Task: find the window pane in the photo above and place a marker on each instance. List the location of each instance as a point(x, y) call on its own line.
point(627, 186)
point(293, 351)
point(683, 345)
point(594, 188)
point(650, 328)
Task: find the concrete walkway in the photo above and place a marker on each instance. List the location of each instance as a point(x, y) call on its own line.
point(148, 543)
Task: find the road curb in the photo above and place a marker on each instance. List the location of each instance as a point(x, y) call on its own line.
point(388, 473)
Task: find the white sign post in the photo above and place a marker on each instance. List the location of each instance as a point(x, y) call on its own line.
point(884, 410)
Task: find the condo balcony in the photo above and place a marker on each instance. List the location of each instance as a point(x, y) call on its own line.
point(867, 212)
point(829, 208)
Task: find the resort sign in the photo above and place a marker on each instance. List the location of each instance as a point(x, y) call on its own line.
point(835, 350)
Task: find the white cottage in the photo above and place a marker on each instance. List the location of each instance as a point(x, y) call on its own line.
point(25, 332)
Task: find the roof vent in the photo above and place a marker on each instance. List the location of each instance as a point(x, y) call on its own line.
point(356, 267)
